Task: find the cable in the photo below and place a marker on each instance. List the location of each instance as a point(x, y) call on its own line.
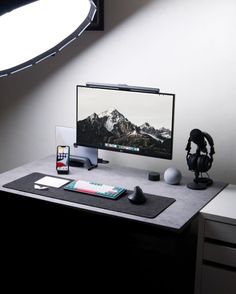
point(100, 160)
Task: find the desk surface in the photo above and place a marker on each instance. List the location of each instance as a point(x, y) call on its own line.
point(223, 207)
point(178, 215)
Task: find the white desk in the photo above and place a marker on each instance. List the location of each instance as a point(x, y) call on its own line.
point(216, 255)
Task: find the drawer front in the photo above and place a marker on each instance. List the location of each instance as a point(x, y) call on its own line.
point(220, 254)
point(220, 231)
point(217, 281)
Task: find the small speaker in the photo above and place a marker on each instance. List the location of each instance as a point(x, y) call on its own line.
point(154, 176)
point(172, 176)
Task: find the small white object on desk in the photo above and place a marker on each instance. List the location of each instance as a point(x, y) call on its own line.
point(37, 187)
point(52, 182)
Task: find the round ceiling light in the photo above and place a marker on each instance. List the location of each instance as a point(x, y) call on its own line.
point(36, 31)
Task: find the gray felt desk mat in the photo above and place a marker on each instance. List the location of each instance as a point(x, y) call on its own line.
point(150, 209)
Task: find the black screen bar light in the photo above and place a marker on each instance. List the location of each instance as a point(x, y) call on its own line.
point(31, 33)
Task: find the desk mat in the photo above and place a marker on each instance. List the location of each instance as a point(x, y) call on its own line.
point(150, 209)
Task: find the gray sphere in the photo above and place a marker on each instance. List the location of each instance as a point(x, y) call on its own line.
point(172, 176)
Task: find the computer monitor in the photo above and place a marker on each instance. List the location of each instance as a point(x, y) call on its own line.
point(135, 120)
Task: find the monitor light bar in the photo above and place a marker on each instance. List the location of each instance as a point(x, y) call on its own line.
point(123, 87)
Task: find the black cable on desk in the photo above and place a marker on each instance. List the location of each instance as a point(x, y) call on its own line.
point(100, 160)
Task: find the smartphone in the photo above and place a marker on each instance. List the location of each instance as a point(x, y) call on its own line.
point(62, 159)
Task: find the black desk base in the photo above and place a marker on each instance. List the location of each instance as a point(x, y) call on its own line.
point(54, 245)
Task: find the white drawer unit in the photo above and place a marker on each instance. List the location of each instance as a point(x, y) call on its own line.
point(220, 231)
point(217, 281)
point(221, 254)
point(216, 253)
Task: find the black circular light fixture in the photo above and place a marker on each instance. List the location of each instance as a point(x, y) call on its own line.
point(37, 30)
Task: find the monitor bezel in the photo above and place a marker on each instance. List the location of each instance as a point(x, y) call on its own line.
point(146, 90)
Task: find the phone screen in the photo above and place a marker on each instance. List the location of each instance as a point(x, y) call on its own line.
point(62, 161)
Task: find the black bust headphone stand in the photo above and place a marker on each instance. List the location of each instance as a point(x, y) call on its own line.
point(200, 161)
point(199, 183)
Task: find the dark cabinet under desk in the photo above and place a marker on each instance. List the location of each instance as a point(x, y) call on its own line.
point(50, 239)
point(133, 255)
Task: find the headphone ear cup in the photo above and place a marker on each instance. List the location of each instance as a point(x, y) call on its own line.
point(192, 161)
point(204, 163)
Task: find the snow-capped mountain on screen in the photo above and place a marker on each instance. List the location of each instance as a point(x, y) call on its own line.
point(113, 127)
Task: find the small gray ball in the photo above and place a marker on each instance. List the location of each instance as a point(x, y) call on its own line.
point(172, 176)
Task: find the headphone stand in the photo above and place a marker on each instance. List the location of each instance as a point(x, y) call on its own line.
point(198, 162)
point(206, 181)
point(196, 186)
point(198, 183)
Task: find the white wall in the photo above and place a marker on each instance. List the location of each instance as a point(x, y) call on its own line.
point(182, 46)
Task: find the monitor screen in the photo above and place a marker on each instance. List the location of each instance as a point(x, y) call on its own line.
point(125, 120)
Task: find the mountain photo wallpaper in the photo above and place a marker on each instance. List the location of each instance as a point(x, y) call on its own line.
point(110, 129)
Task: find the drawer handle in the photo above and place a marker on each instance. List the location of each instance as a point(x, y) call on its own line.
point(218, 242)
point(219, 265)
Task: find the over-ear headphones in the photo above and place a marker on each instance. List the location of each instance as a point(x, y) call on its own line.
point(197, 161)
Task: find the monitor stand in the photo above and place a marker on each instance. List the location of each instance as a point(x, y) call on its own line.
point(81, 161)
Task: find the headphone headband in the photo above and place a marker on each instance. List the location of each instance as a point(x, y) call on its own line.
point(198, 137)
point(211, 143)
